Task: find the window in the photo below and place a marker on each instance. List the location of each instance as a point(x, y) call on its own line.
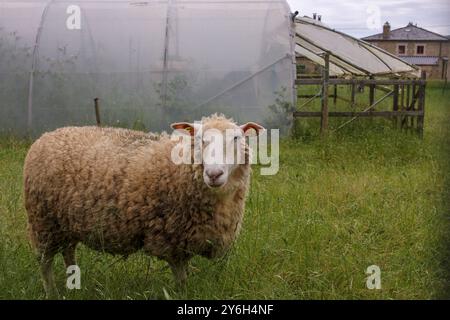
point(401, 49)
point(420, 49)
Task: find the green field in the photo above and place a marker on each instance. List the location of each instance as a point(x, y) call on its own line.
point(367, 195)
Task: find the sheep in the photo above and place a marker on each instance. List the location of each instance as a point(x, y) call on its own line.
point(119, 191)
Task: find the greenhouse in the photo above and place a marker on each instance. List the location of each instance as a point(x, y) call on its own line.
point(148, 62)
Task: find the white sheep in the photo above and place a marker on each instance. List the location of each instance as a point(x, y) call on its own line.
point(119, 191)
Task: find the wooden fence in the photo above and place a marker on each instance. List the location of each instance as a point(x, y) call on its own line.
point(408, 99)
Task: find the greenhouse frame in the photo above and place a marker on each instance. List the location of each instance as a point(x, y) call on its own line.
point(149, 63)
point(357, 65)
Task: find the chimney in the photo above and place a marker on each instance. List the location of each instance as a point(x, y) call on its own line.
point(314, 16)
point(319, 17)
point(386, 30)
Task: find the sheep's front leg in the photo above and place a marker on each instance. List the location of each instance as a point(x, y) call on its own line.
point(179, 270)
point(69, 255)
point(46, 262)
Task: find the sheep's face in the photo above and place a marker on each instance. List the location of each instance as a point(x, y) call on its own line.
point(221, 145)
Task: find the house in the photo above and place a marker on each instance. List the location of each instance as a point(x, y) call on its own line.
point(426, 49)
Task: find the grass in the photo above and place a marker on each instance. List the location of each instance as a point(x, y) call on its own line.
point(368, 195)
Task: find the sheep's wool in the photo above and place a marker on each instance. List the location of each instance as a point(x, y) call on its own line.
point(118, 191)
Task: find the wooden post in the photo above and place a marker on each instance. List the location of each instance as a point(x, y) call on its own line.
point(371, 96)
point(421, 104)
point(402, 96)
point(408, 93)
point(353, 96)
point(395, 103)
point(335, 94)
point(326, 78)
point(97, 112)
point(402, 104)
point(371, 92)
point(413, 103)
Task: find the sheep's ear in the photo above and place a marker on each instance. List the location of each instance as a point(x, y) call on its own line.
point(252, 125)
point(189, 127)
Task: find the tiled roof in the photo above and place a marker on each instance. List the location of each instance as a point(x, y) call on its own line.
point(410, 32)
point(421, 60)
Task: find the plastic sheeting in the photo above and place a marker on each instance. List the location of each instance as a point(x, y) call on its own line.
point(348, 56)
point(149, 62)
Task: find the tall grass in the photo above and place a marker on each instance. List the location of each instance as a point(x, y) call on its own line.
point(369, 194)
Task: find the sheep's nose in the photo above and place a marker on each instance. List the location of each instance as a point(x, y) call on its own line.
point(214, 174)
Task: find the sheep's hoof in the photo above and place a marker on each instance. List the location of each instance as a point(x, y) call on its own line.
point(181, 285)
point(52, 294)
point(179, 271)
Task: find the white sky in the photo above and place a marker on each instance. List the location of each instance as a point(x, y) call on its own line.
point(352, 16)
